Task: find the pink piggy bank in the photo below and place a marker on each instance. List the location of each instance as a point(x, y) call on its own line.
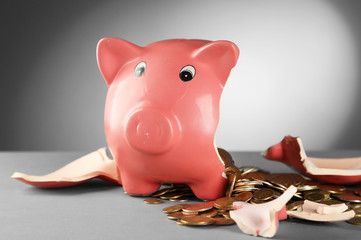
point(162, 111)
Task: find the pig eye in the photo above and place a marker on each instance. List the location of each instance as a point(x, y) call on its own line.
point(187, 73)
point(140, 69)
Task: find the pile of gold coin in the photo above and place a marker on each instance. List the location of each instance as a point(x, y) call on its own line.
point(201, 214)
point(250, 184)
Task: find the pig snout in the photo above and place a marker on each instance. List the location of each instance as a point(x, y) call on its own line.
point(150, 131)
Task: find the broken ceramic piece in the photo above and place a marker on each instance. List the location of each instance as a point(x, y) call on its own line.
point(93, 165)
point(331, 170)
point(319, 212)
point(262, 219)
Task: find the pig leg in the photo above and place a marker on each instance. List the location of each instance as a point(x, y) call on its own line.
point(136, 186)
point(209, 189)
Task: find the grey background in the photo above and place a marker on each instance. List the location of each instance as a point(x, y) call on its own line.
point(52, 94)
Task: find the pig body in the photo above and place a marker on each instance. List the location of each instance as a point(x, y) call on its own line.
point(162, 111)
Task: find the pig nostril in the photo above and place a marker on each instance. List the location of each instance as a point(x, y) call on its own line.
point(150, 131)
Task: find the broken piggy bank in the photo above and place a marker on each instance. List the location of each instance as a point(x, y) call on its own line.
point(161, 114)
point(162, 111)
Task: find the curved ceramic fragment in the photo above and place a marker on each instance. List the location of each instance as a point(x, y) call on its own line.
point(291, 152)
point(318, 212)
point(93, 165)
point(261, 219)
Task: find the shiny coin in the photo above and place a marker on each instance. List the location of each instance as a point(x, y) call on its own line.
point(152, 201)
point(331, 202)
point(160, 192)
point(281, 180)
point(226, 157)
point(178, 215)
point(209, 213)
point(307, 188)
point(224, 203)
point(315, 197)
point(168, 195)
point(246, 170)
point(223, 221)
point(277, 187)
point(294, 205)
point(254, 176)
point(197, 220)
point(349, 198)
point(356, 220)
point(255, 201)
point(332, 188)
point(243, 196)
point(179, 222)
point(244, 189)
point(226, 214)
point(198, 207)
point(180, 199)
point(172, 209)
point(263, 194)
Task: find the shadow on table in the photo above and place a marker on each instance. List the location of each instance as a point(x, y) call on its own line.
point(90, 186)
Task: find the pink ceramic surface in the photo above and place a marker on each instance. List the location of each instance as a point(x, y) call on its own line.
point(162, 111)
point(339, 171)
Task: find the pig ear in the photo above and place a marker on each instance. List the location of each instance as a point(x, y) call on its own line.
point(112, 54)
point(222, 55)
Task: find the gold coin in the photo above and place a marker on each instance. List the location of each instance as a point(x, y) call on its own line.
point(333, 188)
point(331, 202)
point(244, 189)
point(263, 194)
point(226, 157)
point(152, 201)
point(254, 176)
point(223, 221)
point(198, 207)
point(246, 170)
point(178, 215)
point(224, 203)
point(315, 197)
point(179, 222)
point(160, 192)
point(169, 195)
point(179, 199)
point(226, 214)
point(307, 188)
point(355, 220)
point(277, 187)
point(197, 220)
point(243, 196)
point(174, 208)
point(294, 205)
point(209, 213)
point(255, 201)
point(231, 173)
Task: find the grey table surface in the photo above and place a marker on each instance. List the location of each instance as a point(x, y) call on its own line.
point(101, 210)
